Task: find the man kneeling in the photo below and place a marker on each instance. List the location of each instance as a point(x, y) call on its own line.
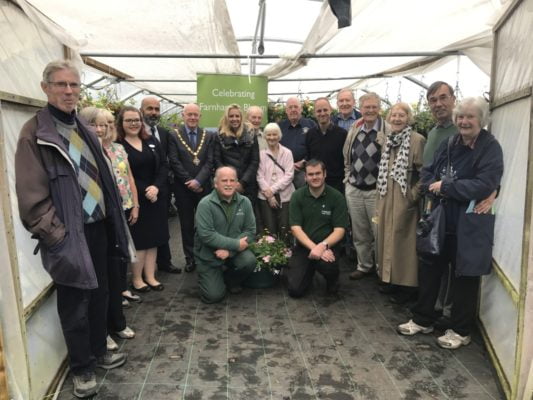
point(225, 226)
point(318, 218)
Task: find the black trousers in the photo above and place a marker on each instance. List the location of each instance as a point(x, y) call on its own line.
point(83, 313)
point(302, 269)
point(117, 269)
point(186, 202)
point(164, 257)
point(276, 220)
point(464, 293)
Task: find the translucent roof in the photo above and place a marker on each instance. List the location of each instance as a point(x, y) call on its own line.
point(179, 29)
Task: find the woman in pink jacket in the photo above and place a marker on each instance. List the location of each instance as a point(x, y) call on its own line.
point(274, 176)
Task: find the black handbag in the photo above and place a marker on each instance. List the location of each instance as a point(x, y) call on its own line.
point(431, 228)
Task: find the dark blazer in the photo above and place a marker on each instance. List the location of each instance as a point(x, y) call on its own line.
point(181, 160)
point(164, 138)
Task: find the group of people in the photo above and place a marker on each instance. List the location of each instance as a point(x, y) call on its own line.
point(97, 196)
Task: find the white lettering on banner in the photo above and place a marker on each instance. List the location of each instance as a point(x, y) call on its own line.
point(233, 93)
point(212, 107)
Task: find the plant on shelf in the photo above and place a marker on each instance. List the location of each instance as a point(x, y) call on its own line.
point(272, 253)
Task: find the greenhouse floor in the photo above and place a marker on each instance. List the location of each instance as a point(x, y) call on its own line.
point(261, 344)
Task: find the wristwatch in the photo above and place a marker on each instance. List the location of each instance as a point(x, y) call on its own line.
point(325, 244)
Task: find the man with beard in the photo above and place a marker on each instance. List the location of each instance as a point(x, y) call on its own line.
point(225, 226)
point(151, 111)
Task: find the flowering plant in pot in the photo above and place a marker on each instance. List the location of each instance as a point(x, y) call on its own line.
point(271, 252)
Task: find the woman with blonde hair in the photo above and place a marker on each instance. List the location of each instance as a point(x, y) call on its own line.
point(397, 208)
point(237, 147)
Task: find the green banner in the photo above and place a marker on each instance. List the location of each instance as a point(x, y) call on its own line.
point(217, 91)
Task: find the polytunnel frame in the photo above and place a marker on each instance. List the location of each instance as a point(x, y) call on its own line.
point(518, 295)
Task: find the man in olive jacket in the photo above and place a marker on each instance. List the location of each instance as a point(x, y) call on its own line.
point(68, 200)
point(225, 227)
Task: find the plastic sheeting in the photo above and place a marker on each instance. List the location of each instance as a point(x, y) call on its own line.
point(24, 51)
point(208, 26)
point(499, 317)
point(514, 66)
point(511, 128)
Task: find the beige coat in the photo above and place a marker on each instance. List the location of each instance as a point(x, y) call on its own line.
point(397, 216)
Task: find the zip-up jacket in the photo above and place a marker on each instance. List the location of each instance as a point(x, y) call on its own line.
point(50, 201)
point(214, 230)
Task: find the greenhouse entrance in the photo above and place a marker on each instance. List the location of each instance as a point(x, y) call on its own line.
point(261, 344)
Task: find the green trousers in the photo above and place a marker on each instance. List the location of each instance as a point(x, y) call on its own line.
point(212, 280)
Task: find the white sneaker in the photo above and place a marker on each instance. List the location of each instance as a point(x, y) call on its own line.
point(126, 333)
point(411, 328)
point(111, 344)
point(452, 340)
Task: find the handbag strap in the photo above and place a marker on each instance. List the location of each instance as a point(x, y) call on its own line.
point(448, 150)
point(275, 162)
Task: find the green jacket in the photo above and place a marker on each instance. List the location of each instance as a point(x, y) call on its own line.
point(215, 231)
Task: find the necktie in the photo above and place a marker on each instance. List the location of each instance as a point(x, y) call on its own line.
point(154, 132)
point(192, 139)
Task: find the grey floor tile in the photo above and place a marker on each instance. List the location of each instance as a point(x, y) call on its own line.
point(264, 345)
point(114, 391)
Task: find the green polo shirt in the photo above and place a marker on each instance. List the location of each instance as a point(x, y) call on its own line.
point(435, 138)
point(318, 216)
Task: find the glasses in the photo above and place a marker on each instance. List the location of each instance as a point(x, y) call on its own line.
point(132, 121)
point(63, 85)
point(442, 98)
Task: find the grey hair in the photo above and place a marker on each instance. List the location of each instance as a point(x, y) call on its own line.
point(345, 90)
point(59, 65)
point(217, 172)
point(89, 114)
point(273, 127)
point(368, 96)
point(480, 105)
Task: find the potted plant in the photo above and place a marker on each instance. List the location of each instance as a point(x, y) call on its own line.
point(272, 255)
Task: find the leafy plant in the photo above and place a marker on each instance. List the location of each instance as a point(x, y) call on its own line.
point(170, 121)
point(106, 98)
point(271, 253)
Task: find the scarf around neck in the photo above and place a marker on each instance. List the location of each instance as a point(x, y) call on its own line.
point(399, 166)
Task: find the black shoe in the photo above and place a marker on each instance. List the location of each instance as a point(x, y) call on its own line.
point(190, 267)
point(142, 289)
point(157, 288)
point(387, 288)
point(403, 296)
point(171, 269)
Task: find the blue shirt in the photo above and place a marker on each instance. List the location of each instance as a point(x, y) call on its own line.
point(347, 123)
point(294, 137)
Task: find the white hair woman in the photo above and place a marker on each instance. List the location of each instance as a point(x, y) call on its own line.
point(476, 162)
point(274, 176)
point(397, 207)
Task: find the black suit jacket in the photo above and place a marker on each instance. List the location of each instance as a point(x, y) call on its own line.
point(181, 160)
point(164, 137)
